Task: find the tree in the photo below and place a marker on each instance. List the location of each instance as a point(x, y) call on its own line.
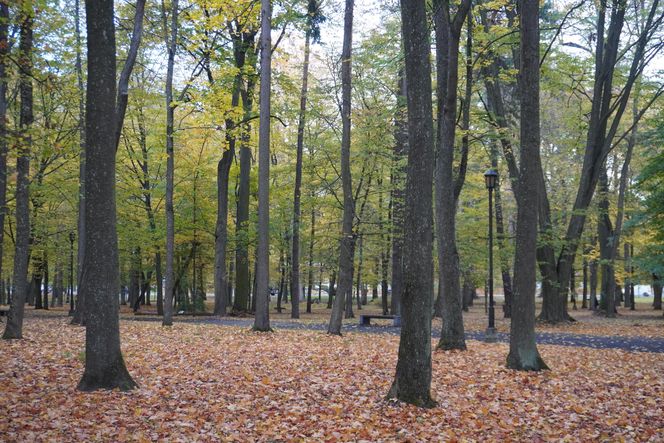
point(262, 295)
point(4, 51)
point(523, 354)
point(606, 113)
point(170, 35)
point(412, 382)
point(314, 17)
point(79, 307)
point(347, 241)
point(448, 34)
point(14, 328)
point(104, 364)
point(242, 37)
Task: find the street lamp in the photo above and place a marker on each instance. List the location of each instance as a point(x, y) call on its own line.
point(491, 181)
point(72, 237)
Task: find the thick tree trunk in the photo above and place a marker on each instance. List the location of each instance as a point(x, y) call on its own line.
point(170, 36)
point(523, 354)
point(104, 365)
point(412, 381)
point(262, 293)
point(14, 327)
point(346, 244)
point(448, 34)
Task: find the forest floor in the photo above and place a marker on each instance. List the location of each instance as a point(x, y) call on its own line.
point(205, 382)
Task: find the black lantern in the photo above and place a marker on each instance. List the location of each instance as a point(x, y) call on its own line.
point(491, 178)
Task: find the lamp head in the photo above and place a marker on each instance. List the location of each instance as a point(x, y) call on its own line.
point(491, 178)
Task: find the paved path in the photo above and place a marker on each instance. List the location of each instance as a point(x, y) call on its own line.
point(636, 344)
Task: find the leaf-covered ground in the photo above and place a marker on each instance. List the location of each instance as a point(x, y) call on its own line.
point(212, 383)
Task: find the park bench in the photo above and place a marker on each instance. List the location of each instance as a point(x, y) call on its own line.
point(365, 319)
point(4, 310)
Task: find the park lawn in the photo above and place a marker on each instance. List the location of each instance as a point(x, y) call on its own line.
point(213, 383)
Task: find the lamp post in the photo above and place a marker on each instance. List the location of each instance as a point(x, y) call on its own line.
point(491, 180)
point(72, 237)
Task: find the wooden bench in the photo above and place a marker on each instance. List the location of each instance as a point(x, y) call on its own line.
point(365, 319)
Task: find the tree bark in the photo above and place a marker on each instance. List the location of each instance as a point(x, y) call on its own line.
point(295, 269)
point(657, 292)
point(104, 365)
point(523, 353)
point(346, 244)
point(14, 327)
point(448, 34)
point(262, 294)
point(170, 36)
point(412, 381)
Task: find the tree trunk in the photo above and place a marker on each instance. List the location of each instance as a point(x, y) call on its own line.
point(448, 34)
point(604, 121)
point(359, 274)
point(523, 354)
point(311, 260)
point(657, 292)
point(262, 294)
point(79, 317)
point(46, 280)
point(221, 279)
point(332, 290)
point(593, 284)
point(123, 82)
point(4, 51)
point(502, 242)
point(628, 277)
point(346, 244)
point(170, 36)
point(14, 327)
point(282, 279)
point(584, 301)
point(295, 269)
point(400, 153)
point(104, 365)
point(412, 381)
